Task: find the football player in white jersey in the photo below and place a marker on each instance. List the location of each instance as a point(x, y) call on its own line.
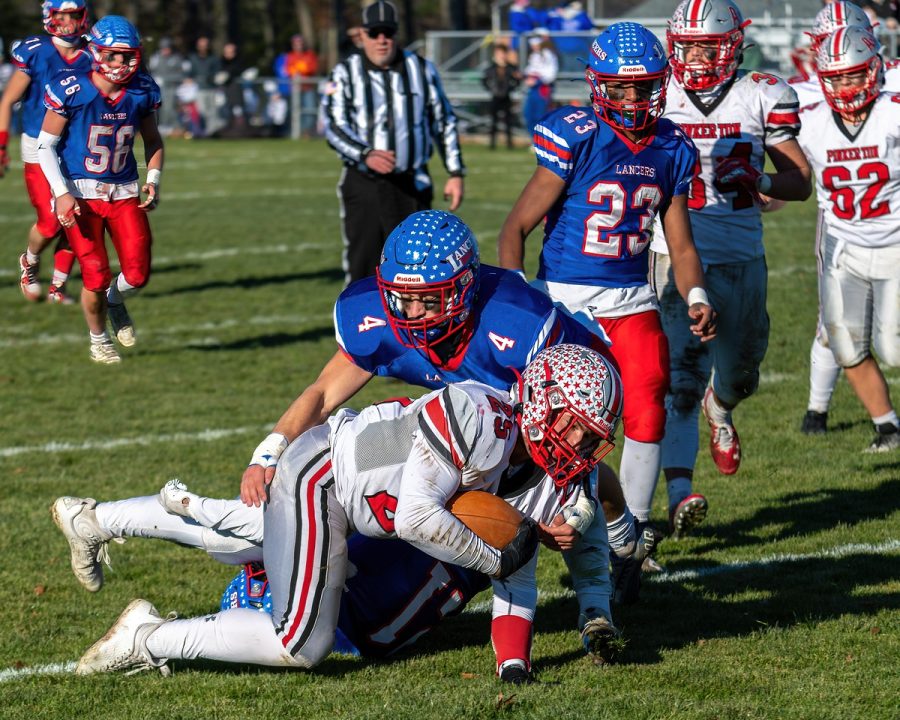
point(735, 119)
point(385, 472)
point(824, 370)
point(852, 140)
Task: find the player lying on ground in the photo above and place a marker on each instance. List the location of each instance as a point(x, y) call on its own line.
point(389, 472)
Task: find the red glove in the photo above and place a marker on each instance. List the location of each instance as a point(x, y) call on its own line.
point(730, 170)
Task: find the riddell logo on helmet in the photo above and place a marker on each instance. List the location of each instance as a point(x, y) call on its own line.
point(632, 70)
point(402, 279)
point(598, 51)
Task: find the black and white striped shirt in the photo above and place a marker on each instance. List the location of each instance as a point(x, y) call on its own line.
point(402, 108)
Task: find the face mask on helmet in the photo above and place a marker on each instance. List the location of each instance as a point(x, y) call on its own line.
point(705, 38)
point(835, 16)
point(249, 589)
point(64, 19)
point(570, 401)
point(115, 47)
point(627, 72)
point(428, 277)
point(851, 71)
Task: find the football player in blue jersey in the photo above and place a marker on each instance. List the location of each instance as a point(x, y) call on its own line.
point(85, 149)
point(603, 175)
point(42, 59)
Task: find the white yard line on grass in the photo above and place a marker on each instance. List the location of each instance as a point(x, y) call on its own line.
point(884, 548)
point(207, 435)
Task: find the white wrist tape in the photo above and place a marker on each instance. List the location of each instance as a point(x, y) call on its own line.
point(697, 295)
point(581, 514)
point(269, 450)
point(153, 176)
point(622, 535)
point(764, 183)
point(49, 161)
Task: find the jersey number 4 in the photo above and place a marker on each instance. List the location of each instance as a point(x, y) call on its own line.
point(837, 181)
point(107, 157)
point(598, 240)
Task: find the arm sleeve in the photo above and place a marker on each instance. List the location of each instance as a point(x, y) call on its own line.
point(337, 103)
point(783, 118)
point(49, 162)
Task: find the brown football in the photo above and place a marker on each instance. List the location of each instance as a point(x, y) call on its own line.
point(491, 518)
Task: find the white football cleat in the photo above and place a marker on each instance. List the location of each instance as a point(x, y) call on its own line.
point(87, 541)
point(602, 640)
point(176, 499)
point(122, 648)
point(122, 327)
point(105, 353)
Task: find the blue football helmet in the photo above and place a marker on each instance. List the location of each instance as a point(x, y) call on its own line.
point(628, 52)
point(431, 255)
point(114, 38)
point(249, 589)
point(52, 26)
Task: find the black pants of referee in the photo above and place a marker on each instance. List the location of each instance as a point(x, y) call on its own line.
point(371, 207)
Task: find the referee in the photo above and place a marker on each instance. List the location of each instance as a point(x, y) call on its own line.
point(384, 111)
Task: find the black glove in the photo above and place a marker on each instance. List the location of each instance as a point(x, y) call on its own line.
point(515, 674)
point(520, 548)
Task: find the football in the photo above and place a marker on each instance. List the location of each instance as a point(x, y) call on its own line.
point(491, 518)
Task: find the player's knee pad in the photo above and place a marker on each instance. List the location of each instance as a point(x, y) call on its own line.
point(230, 550)
point(47, 225)
point(683, 400)
point(647, 425)
point(888, 349)
point(95, 274)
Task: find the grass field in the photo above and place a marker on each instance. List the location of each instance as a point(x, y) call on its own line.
point(786, 604)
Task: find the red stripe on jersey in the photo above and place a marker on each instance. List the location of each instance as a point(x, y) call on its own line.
point(437, 416)
point(788, 118)
point(48, 98)
point(548, 144)
point(311, 532)
point(20, 65)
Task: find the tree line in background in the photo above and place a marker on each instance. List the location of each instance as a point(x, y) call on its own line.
point(260, 28)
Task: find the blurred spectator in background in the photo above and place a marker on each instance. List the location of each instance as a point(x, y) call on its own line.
point(228, 78)
point(300, 62)
point(202, 68)
point(541, 70)
point(501, 78)
point(276, 109)
point(524, 19)
point(188, 94)
point(569, 17)
point(353, 43)
point(168, 68)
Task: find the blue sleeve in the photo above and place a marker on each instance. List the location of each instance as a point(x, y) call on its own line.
point(24, 54)
point(360, 326)
point(61, 99)
point(685, 162)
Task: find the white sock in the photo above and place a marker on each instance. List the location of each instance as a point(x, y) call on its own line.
point(240, 636)
point(714, 410)
point(99, 338)
point(638, 473)
point(678, 488)
point(145, 517)
point(890, 417)
point(59, 278)
point(31, 258)
point(590, 571)
point(823, 376)
point(120, 290)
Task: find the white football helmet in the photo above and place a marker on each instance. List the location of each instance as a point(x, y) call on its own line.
point(850, 51)
point(835, 16)
point(564, 386)
point(717, 24)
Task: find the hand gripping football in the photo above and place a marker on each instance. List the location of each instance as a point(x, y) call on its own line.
point(491, 518)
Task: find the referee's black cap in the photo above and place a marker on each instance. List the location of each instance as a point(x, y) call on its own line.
point(380, 14)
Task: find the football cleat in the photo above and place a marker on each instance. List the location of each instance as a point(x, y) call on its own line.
point(687, 515)
point(121, 649)
point(105, 353)
point(176, 499)
point(28, 280)
point(75, 517)
point(515, 672)
point(724, 443)
point(602, 641)
point(57, 295)
point(814, 423)
point(887, 438)
point(122, 327)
